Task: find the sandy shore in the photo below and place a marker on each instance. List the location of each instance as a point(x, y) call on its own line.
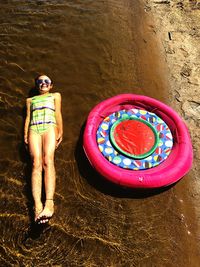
point(176, 25)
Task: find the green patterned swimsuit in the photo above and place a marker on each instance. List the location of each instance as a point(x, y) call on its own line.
point(42, 113)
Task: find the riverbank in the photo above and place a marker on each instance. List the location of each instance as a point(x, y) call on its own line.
point(177, 27)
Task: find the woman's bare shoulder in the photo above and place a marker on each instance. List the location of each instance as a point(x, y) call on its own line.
point(28, 100)
point(57, 95)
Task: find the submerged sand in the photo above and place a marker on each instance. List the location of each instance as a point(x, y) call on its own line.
point(94, 50)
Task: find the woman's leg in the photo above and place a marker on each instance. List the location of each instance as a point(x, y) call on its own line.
point(49, 145)
point(35, 148)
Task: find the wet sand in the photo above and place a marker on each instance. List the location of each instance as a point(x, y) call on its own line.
point(92, 51)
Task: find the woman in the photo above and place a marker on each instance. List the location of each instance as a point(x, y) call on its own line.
point(43, 133)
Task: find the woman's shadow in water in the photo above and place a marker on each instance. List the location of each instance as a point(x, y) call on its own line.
point(103, 185)
point(35, 229)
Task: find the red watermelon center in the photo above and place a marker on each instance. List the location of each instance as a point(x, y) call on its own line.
point(134, 137)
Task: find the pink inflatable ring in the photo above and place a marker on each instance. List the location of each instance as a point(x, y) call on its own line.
point(137, 141)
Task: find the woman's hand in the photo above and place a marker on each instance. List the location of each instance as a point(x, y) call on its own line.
point(26, 140)
point(59, 139)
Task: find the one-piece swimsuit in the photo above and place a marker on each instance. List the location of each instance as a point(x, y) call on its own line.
point(42, 113)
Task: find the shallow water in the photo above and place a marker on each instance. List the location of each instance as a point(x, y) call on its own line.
point(92, 50)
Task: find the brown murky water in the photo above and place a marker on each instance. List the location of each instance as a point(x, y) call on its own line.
point(92, 50)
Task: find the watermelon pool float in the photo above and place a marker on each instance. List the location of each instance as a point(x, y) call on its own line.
point(137, 141)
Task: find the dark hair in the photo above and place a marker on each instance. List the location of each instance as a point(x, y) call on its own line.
point(36, 78)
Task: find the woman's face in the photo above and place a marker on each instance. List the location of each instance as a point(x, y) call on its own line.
point(44, 84)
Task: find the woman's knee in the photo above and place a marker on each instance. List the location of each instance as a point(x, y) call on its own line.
point(37, 164)
point(48, 160)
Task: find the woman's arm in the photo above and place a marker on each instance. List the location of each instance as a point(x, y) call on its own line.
point(27, 120)
point(58, 118)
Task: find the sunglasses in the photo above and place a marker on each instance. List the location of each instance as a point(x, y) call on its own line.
point(40, 81)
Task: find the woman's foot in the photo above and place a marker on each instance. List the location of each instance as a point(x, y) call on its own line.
point(47, 212)
point(38, 209)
